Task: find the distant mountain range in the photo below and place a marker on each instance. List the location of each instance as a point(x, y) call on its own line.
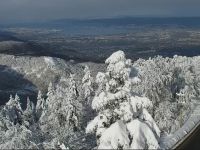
point(120, 21)
point(125, 21)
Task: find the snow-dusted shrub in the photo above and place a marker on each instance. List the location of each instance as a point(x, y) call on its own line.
point(119, 109)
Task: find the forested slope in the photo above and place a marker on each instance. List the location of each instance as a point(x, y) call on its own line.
point(140, 99)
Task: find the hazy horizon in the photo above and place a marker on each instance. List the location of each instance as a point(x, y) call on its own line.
point(92, 18)
point(46, 10)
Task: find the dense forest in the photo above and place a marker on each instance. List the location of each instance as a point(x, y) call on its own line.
point(142, 100)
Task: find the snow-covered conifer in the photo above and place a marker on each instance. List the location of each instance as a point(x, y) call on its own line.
point(120, 110)
point(17, 100)
point(60, 118)
point(170, 83)
point(40, 106)
point(73, 86)
point(87, 86)
point(29, 113)
point(13, 110)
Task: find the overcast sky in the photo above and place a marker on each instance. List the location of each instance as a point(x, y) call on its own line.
point(38, 10)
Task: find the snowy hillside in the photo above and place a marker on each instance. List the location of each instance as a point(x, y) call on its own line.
point(82, 105)
point(27, 75)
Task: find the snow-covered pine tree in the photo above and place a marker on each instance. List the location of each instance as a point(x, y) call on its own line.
point(40, 106)
point(60, 118)
point(87, 86)
point(170, 83)
point(17, 100)
point(73, 87)
point(16, 137)
point(13, 132)
point(74, 105)
point(50, 94)
point(87, 95)
point(120, 110)
point(13, 110)
point(29, 113)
